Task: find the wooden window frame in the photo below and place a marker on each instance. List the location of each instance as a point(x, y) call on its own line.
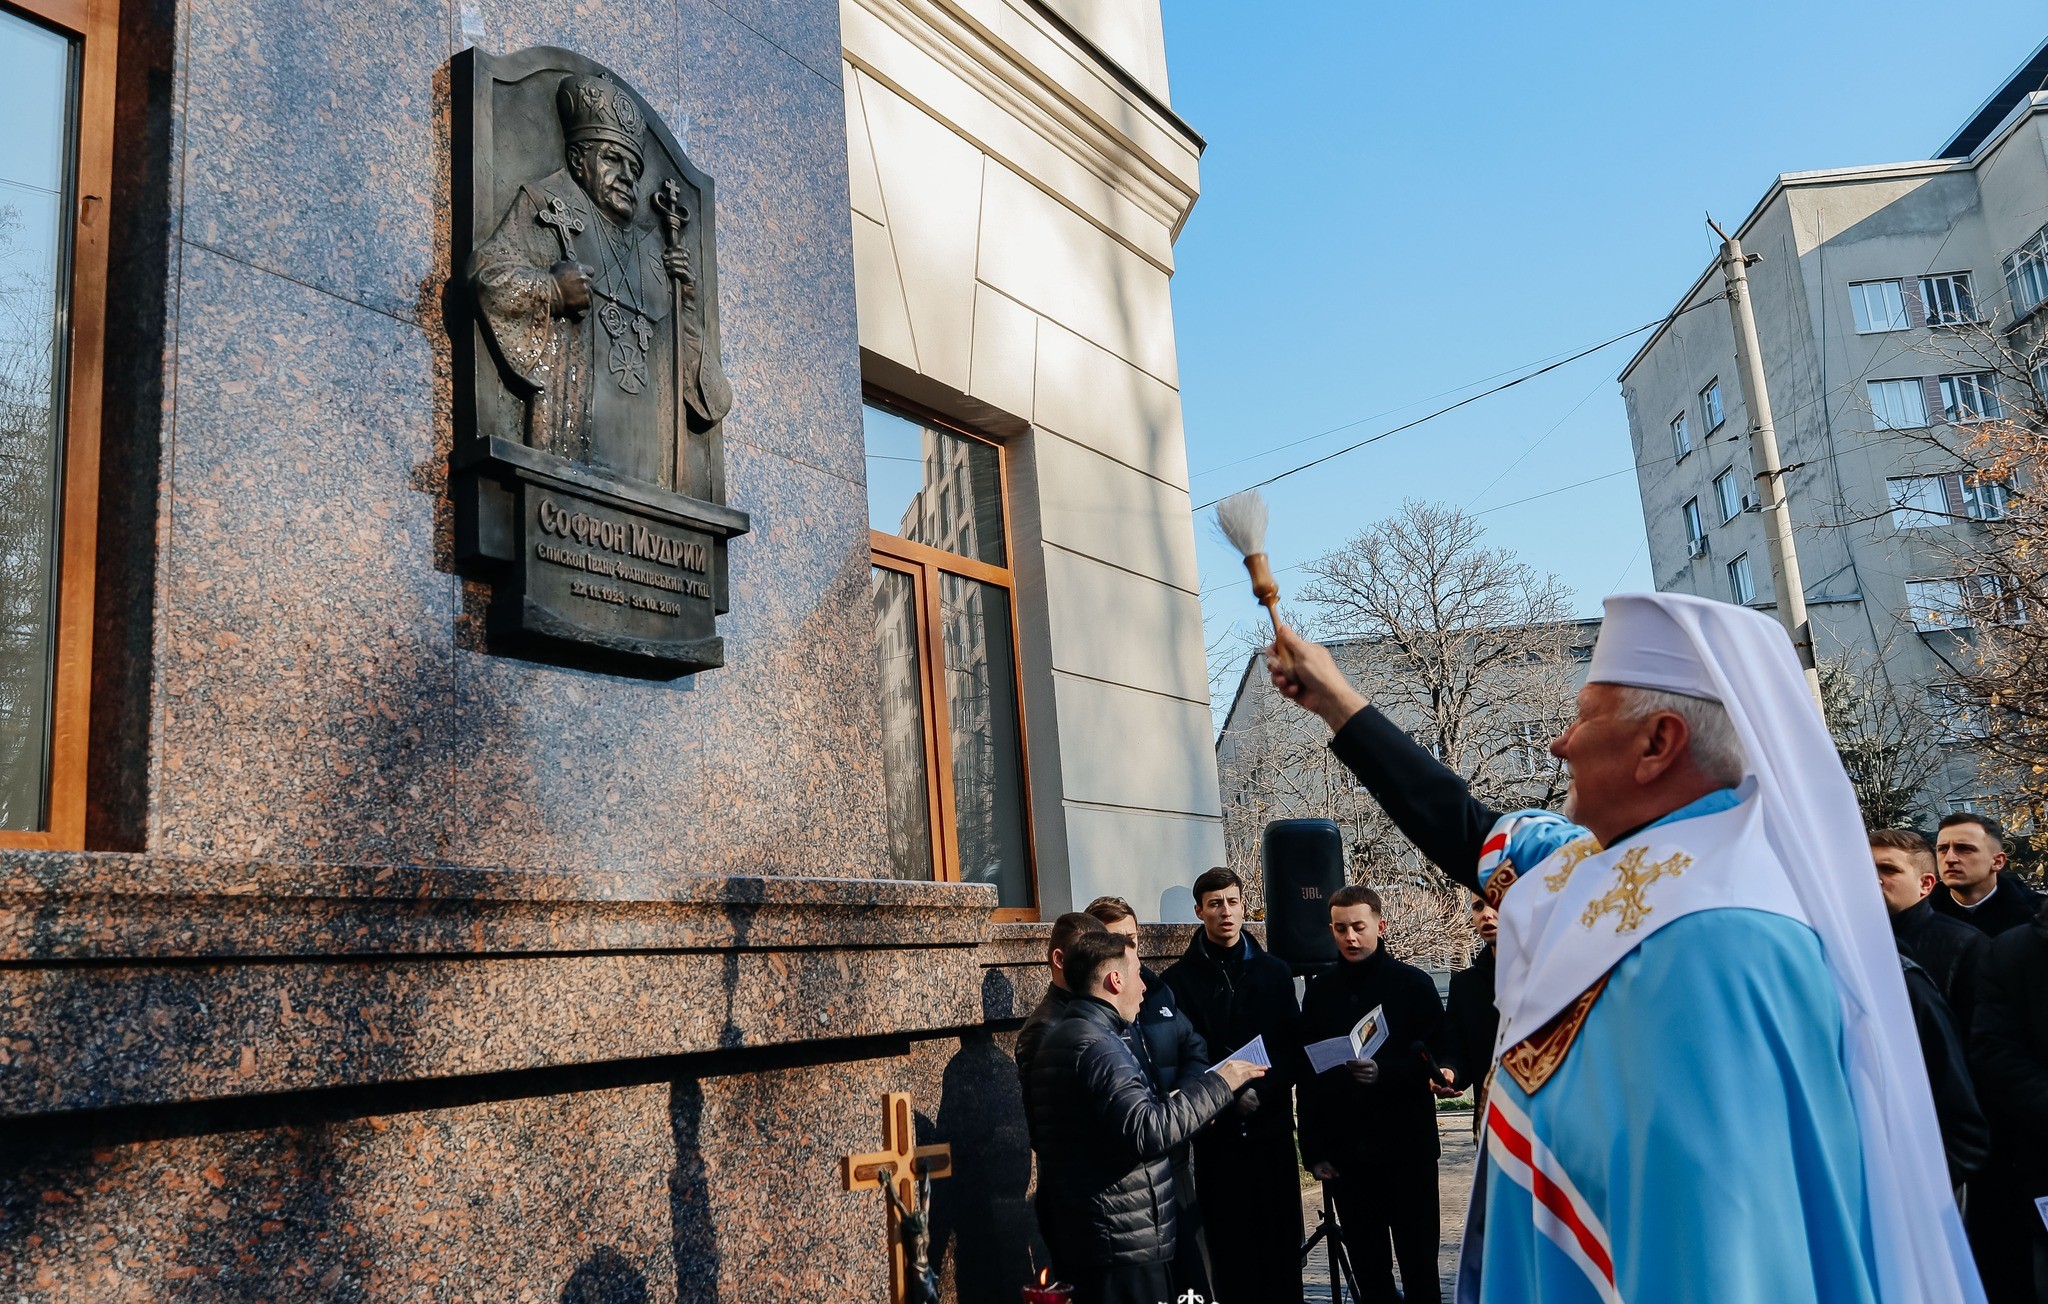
point(924, 564)
point(95, 25)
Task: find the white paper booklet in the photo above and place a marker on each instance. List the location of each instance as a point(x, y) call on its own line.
point(1366, 1036)
point(1252, 1052)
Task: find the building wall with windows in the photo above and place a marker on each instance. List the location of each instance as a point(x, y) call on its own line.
point(1017, 182)
point(1874, 294)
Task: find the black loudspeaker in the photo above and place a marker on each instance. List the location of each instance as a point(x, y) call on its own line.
point(1304, 864)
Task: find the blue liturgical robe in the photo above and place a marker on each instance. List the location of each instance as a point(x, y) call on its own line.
point(1702, 1114)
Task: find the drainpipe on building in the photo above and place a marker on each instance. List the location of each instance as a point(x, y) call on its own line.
point(1763, 456)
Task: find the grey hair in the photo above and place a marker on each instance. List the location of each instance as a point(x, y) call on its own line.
point(1716, 747)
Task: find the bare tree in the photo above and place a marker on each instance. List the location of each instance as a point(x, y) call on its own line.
point(1469, 649)
point(1890, 745)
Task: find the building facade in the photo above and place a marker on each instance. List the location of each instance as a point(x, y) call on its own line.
point(352, 957)
point(1887, 300)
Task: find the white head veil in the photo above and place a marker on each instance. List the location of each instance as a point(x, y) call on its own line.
point(1741, 658)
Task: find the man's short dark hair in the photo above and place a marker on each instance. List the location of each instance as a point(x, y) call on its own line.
point(1901, 840)
point(1992, 828)
point(1068, 927)
point(1111, 910)
point(1215, 880)
point(1091, 953)
point(1357, 894)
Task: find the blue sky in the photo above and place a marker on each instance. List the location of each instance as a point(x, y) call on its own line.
point(1399, 200)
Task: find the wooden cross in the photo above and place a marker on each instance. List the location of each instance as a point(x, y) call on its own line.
point(1631, 878)
point(897, 1163)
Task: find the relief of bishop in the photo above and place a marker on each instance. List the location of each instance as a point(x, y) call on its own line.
point(591, 302)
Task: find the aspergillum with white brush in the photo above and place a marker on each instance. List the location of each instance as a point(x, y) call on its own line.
point(1242, 520)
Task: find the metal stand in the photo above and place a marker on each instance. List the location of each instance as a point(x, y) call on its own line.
point(1328, 1228)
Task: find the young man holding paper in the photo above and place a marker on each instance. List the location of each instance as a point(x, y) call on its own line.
point(1368, 1123)
point(1234, 991)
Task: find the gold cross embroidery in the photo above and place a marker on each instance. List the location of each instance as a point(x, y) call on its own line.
point(1625, 898)
point(1569, 858)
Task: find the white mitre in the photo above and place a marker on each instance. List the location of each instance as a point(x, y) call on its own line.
point(1641, 645)
point(1677, 643)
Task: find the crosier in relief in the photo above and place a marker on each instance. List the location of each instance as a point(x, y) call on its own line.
point(584, 297)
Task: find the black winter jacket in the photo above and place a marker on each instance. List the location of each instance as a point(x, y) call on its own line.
point(1104, 1134)
point(1051, 1008)
point(1232, 999)
point(1948, 949)
point(1470, 1022)
point(1175, 1050)
point(2009, 1049)
point(2010, 904)
point(1965, 1137)
point(1349, 1124)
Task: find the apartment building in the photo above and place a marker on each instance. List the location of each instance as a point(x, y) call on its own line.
point(1885, 298)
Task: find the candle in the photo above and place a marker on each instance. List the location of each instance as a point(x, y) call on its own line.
point(1048, 1291)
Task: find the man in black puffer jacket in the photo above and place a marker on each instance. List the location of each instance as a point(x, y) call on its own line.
point(1105, 1135)
point(1174, 1053)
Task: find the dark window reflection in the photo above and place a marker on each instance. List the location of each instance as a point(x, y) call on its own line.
point(934, 487)
point(988, 761)
point(36, 93)
point(903, 759)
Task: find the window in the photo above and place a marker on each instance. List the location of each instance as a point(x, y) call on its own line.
point(1877, 306)
point(953, 758)
point(56, 97)
point(1710, 405)
point(1947, 300)
point(1958, 603)
point(1529, 755)
point(1681, 437)
point(2026, 274)
point(1728, 495)
point(1962, 715)
point(1695, 533)
point(1983, 500)
point(1919, 501)
point(1971, 397)
point(1898, 404)
point(1741, 584)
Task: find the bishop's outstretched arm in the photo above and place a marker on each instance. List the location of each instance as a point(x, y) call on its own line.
point(1429, 803)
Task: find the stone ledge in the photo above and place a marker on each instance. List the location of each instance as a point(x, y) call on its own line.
point(109, 908)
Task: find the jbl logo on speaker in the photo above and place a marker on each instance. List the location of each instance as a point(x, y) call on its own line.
point(1310, 892)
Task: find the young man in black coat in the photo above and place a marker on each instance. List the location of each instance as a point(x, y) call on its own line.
point(1105, 1134)
point(1946, 947)
point(1249, 1185)
point(1368, 1127)
point(1472, 1018)
point(1173, 1053)
point(2009, 1057)
point(1975, 885)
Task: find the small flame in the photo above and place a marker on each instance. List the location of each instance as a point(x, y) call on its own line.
point(1045, 1276)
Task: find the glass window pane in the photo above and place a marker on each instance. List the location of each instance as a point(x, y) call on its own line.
point(905, 776)
point(934, 487)
point(988, 760)
point(1918, 501)
point(36, 90)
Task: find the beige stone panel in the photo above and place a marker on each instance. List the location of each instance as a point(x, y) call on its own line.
point(1005, 352)
point(931, 189)
point(878, 294)
point(864, 188)
point(1110, 624)
point(1102, 402)
point(1043, 254)
point(1149, 858)
point(1138, 197)
point(1103, 509)
point(1126, 32)
point(1126, 747)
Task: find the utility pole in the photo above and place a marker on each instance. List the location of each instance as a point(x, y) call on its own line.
point(1763, 457)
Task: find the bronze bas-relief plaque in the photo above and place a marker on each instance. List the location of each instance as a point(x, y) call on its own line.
point(589, 468)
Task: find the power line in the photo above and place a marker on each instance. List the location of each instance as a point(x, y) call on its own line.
point(1473, 398)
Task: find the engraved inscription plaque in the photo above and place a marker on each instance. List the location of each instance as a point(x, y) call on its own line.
point(589, 468)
